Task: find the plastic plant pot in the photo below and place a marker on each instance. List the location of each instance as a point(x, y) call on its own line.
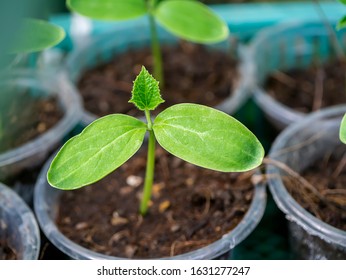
point(284, 47)
point(102, 47)
point(299, 146)
point(37, 85)
point(46, 206)
point(18, 225)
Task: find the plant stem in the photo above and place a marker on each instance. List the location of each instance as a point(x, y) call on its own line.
point(332, 34)
point(155, 45)
point(149, 173)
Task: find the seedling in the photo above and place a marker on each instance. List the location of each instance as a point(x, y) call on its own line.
point(197, 134)
point(188, 19)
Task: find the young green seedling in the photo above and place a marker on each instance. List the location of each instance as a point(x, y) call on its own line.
point(188, 19)
point(198, 134)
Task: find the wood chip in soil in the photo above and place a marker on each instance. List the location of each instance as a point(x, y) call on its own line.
point(192, 74)
point(328, 176)
point(191, 207)
point(310, 89)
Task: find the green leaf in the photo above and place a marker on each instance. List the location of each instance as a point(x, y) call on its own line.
point(102, 147)
point(341, 23)
point(207, 137)
point(343, 1)
point(36, 35)
point(342, 134)
point(146, 92)
point(108, 9)
point(191, 20)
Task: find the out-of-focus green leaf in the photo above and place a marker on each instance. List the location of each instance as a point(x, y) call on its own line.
point(191, 20)
point(108, 9)
point(343, 129)
point(341, 23)
point(36, 35)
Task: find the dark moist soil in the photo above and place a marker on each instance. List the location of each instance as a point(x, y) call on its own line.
point(6, 253)
point(191, 207)
point(192, 74)
point(328, 177)
point(29, 121)
point(310, 89)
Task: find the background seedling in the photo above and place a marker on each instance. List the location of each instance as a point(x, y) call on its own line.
point(188, 19)
point(198, 134)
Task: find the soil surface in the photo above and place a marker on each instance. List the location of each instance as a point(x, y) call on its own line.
point(191, 207)
point(328, 199)
point(310, 89)
point(6, 253)
point(192, 74)
point(24, 120)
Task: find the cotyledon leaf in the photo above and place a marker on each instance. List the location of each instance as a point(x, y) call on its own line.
point(191, 20)
point(108, 9)
point(208, 138)
point(102, 147)
point(36, 35)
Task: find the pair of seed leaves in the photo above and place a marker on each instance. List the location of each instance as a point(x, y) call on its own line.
point(195, 133)
point(188, 19)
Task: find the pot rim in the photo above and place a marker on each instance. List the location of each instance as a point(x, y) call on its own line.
point(16, 206)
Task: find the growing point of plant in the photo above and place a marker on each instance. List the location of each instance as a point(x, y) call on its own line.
point(195, 133)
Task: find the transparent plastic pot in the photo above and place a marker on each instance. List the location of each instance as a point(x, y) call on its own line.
point(284, 47)
point(102, 47)
point(38, 85)
point(299, 146)
point(46, 201)
point(18, 225)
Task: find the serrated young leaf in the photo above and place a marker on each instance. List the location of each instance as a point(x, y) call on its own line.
point(108, 9)
point(102, 147)
point(35, 35)
point(146, 92)
point(191, 20)
point(341, 23)
point(208, 138)
point(342, 133)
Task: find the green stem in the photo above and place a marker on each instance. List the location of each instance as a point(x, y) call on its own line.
point(149, 174)
point(332, 34)
point(155, 45)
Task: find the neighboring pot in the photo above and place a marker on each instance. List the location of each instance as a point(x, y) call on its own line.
point(298, 146)
point(284, 47)
point(103, 47)
point(38, 84)
point(46, 200)
point(18, 225)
